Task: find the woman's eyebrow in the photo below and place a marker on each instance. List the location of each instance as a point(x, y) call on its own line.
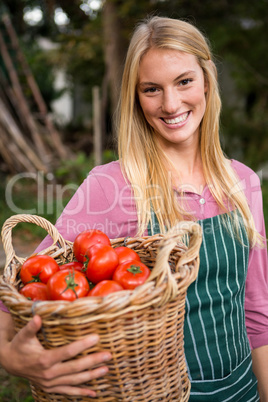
point(185, 73)
point(182, 75)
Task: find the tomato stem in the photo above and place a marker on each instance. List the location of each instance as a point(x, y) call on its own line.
point(134, 269)
point(86, 261)
point(35, 278)
point(70, 283)
point(84, 269)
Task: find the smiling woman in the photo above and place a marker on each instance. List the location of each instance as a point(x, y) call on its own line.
point(170, 152)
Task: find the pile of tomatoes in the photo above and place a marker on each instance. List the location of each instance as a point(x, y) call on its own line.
point(98, 270)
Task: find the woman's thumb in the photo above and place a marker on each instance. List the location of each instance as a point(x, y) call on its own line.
point(33, 326)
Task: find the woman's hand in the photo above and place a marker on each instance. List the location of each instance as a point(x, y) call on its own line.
point(24, 356)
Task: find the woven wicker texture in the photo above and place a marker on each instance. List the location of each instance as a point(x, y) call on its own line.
point(143, 328)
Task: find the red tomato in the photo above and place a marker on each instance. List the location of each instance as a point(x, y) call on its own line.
point(35, 291)
point(126, 254)
point(104, 288)
point(101, 262)
point(67, 285)
point(86, 239)
point(38, 268)
point(78, 266)
point(131, 274)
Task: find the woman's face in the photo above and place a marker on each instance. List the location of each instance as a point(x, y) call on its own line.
point(171, 90)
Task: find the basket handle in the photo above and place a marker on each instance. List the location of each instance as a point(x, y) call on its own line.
point(11, 222)
point(161, 271)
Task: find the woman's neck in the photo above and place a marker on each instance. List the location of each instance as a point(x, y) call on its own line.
point(186, 170)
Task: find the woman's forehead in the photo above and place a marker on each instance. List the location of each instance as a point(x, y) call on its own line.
point(159, 62)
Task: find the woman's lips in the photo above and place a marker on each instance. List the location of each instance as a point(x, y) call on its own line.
point(177, 120)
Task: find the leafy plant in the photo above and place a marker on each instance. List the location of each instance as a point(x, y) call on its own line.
point(77, 169)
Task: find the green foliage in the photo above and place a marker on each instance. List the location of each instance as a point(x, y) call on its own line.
point(74, 170)
point(43, 71)
point(243, 137)
point(81, 55)
point(238, 39)
point(14, 389)
point(77, 169)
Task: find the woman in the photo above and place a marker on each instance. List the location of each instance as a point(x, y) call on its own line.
point(171, 167)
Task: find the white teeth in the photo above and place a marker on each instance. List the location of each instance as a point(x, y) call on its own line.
point(179, 119)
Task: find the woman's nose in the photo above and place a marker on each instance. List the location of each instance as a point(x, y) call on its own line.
point(170, 102)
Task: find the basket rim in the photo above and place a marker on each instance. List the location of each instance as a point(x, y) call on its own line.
point(115, 302)
point(161, 287)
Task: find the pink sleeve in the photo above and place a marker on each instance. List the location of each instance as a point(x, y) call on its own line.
point(256, 296)
point(79, 213)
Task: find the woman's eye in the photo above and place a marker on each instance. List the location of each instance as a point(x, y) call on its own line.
point(150, 90)
point(185, 81)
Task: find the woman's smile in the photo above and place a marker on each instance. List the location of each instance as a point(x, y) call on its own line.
point(174, 121)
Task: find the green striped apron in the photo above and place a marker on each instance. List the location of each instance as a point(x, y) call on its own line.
point(217, 350)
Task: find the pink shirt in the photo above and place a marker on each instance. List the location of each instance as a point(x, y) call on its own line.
point(105, 201)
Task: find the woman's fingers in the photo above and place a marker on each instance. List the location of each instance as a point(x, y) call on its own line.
point(71, 391)
point(64, 353)
point(64, 376)
point(73, 380)
point(74, 366)
point(30, 330)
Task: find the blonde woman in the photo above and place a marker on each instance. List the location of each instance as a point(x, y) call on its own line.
point(171, 167)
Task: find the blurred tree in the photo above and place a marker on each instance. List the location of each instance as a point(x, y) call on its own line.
point(115, 44)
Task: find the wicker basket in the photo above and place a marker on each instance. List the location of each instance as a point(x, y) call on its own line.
point(143, 329)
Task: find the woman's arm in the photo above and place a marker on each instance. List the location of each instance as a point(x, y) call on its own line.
point(23, 355)
point(256, 296)
point(260, 368)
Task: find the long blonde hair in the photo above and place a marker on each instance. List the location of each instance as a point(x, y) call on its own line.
point(141, 158)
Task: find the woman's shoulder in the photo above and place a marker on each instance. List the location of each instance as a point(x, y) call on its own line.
point(108, 176)
point(111, 169)
point(107, 168)
point(245, 173)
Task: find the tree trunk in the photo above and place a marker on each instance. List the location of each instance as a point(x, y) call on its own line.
point(114, 48)
point(97, 125)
